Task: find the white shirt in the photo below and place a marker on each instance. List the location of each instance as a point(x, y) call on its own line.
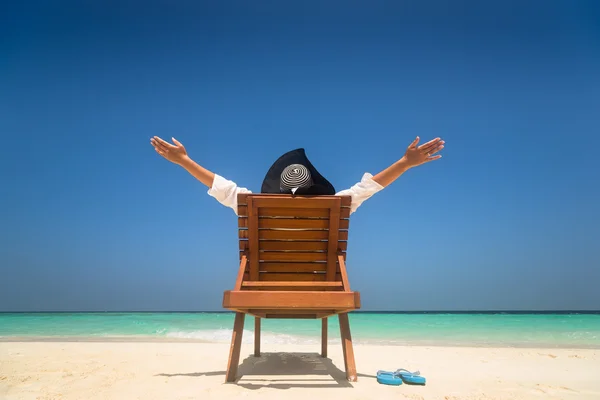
point(226, 191)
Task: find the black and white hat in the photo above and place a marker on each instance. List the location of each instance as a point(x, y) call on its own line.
point(294, 173)
point(294, 177)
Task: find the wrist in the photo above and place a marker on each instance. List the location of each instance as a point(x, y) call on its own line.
point(185, 161)
point(404, 164)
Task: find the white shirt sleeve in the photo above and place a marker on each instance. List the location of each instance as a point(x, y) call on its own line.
point(361, 191)
point(226, 192)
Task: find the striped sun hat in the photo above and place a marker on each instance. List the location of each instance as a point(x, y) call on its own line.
point(293, 173)
point(295, 176)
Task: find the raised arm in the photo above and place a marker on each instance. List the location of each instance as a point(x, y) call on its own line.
point(414, 156)
point(223, 190)
point(177, 154)
point(369, 184)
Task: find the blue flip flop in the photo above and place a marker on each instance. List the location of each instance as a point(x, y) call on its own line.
point(389, 378)
point(411, 378)
point(400, 375)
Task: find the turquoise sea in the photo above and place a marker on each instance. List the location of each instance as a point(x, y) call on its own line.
point(463, 329)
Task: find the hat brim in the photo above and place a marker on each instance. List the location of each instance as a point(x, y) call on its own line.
point(271, 183)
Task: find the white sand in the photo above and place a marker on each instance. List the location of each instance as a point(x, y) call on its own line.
point(163, 370)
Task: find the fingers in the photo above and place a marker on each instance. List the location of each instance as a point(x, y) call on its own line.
point(162, 153)
point(166, 144)
point(177, 142)
point(436, 149)
point(426, 147)
point(160, 145)
point(432, 150)
point(414, 143)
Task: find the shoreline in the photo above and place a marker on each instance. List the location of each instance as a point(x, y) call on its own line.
point(331, 342)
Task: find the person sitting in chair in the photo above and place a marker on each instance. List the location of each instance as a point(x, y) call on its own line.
point(293, 173)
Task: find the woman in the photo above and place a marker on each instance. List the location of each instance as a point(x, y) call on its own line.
point(294, 173)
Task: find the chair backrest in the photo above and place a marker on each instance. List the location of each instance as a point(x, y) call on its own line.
point(286, 238)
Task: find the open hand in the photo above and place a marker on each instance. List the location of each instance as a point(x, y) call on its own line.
point(175, 153)
point(417, 155)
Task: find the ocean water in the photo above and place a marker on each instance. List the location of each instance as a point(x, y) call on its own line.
point(503, 329)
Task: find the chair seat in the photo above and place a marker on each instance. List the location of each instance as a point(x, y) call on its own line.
point(290, 300)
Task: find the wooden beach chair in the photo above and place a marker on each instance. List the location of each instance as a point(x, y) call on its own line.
point(292, 265)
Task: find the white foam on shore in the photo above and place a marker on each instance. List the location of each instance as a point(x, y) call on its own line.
point(224, 336)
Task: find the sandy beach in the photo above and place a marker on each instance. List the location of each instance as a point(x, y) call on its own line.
point(188, 370)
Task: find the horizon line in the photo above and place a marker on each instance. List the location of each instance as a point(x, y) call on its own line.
point(499, 311)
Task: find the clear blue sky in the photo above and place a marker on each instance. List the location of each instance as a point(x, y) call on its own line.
point(91, 218)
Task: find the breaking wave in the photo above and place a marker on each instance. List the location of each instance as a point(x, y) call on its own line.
point(224, 336)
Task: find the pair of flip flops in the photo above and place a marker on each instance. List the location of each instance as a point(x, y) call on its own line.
point(399, 376)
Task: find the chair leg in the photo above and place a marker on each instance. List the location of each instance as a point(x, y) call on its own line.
point(324, 337)
point(256, 337)
point(347, 347)
point(236, 346)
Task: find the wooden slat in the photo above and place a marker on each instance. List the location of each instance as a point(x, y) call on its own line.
point(294, 212)
point(265, 245)
point(293, 316)
point(299, 246)
point(242, 197)
point(287, 245)
point(284, 256)
point(301, 212)
point(274, 234)
point(296, 201)
point(309, 315)
point(292, 277)
point(335, 225)
point(295, 277)
point(269, 284)
point(299, 257)
point(275, 312)
point(293, 299)
point(294, 288)
point(292, 223)
point(292, 267)
point(299, 276)
point(253, 239)
point(287, 313)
